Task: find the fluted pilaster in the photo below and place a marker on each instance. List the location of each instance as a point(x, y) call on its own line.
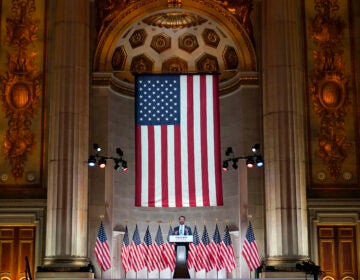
point(68, 95)
point(283, 107)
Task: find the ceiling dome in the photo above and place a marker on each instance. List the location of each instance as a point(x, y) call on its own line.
point(175, 41)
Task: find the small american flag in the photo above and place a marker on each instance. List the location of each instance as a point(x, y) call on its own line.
point(216, 257)
point(102, 249)
point(250, 250)
point(177, 137)
point(149, 252)
point(125, 250)
point(194, 255)
point(169, 252)
point(204, 252)
point(159, 248)
point(137, 252)
point(227, 252)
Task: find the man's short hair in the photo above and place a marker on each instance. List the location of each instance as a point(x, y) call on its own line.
point(182, 216)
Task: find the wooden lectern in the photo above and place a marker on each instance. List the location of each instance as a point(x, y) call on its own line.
point(182, 246)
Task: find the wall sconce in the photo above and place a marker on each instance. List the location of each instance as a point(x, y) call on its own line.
point(251, 160)
point(101, 159)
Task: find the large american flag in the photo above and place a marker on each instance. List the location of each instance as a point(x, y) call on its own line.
point(177, 141)
point(250, 250)
point(137, 252)
point(227, 252)
point(125, 250)
point(102, 249)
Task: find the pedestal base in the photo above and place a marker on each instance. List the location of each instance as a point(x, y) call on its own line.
point(63, 275)
point(285, 274)
point(181, 270)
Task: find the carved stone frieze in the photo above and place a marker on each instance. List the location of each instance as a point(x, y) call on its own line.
point(329, 91)
point(21, 85)
point(141, 64)
point(161, 42)
point(207, 63)
point(188, 42)
point(211, 38)
point(119, 58)
point(174, 65)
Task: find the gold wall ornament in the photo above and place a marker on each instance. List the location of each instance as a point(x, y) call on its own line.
point(20, 85)
point(330, 93)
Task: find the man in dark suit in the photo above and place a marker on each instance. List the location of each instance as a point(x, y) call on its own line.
point(182, 229)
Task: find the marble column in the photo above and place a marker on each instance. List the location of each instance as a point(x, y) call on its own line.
point(284, 133)
point(68, 130)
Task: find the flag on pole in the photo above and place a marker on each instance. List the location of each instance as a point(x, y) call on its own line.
point(169, 252)
point(137, 254)
point(194, 255)
point(159, 248)
point(177, 137)
point(125, 250)
point(215, 256)
point(227, 252)
point(102, 249)
point(250, 249)
point(149, 252)
point(204, 250)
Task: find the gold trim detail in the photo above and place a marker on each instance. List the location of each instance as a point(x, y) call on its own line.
point(21, 85)
point(329, 90)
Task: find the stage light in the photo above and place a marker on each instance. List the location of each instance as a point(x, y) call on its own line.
point(228, 151)
point(96, 147)
point(124, 165)
point(102, 159)
point(255, 148)
point(119, 152)
point(234, 165)
point(102, 162)
point(250, 162)
point(225, 165)
point(92, 161)
point(259, 161)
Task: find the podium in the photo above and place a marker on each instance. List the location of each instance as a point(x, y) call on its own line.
point(182, 246)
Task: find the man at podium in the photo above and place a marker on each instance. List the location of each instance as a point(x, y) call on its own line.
point(182, 229)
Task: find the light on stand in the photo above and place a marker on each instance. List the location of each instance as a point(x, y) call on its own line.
point(102, 159)
point(251, 160)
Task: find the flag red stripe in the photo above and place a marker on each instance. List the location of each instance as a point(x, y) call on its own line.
point(217, 152)
point(178, 178)
point(190, 139)
point(151, 166)
point(164, 171)
point(204, 141)
point(138, 176)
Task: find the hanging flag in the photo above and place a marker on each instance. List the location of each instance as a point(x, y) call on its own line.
point(177, 138)
point(204, 250)
point(169, 252)
point(125, 250)
point(102, 249)
point(250, 250)
point(227, 252)
point(194, 256)
point(215, 256)
point(159, 248)
point(149, 252)
point(137, 252)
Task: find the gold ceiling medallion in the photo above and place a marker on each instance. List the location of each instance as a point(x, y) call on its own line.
point(21, 85)
point(174, 20)
point(328, 87)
